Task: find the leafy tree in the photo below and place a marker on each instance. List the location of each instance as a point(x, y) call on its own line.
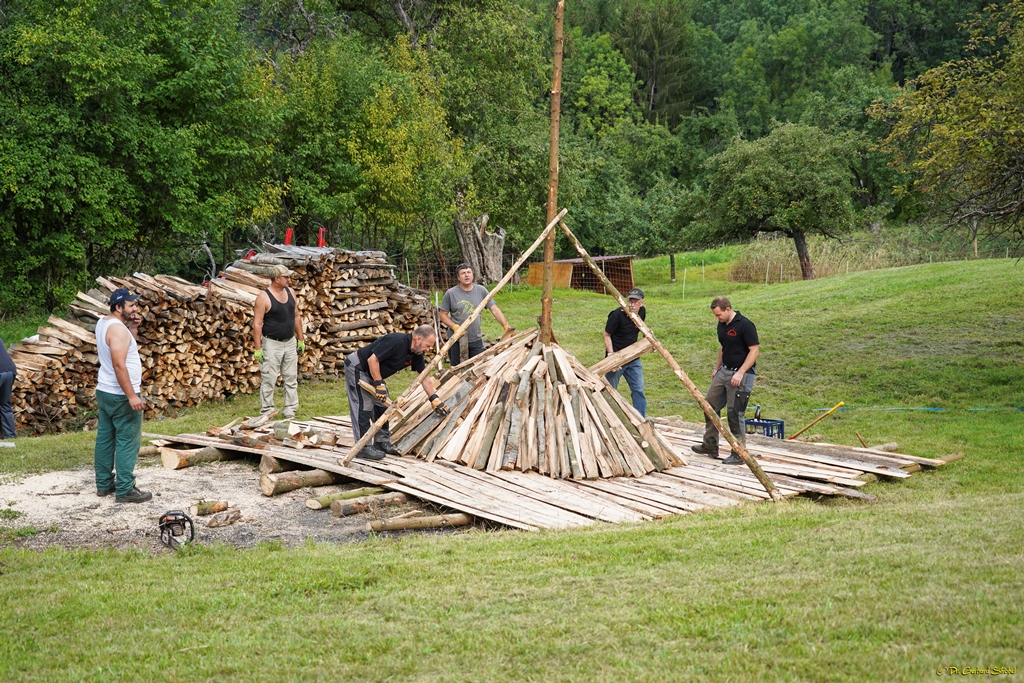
point(961, 129)
point(657, 39)
point(597, 85)
point(129, 130)
point(795, 181)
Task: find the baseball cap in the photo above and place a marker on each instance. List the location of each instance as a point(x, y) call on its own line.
point(120, 295)
point(282, 271)
point(635, 293)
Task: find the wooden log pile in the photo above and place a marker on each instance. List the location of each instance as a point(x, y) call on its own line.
point(347, 298)
point(196, 342)
point(526, 406)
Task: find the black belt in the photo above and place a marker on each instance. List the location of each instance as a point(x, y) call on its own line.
point(279, 340)
point(730, 369)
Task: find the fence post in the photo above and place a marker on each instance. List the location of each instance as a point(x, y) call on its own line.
point(684, 282)
point(672, 266)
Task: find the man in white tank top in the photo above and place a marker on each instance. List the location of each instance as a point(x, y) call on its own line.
point(119, 428)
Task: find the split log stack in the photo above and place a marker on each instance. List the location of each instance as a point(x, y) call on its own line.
point(196, 342)
point(523, 405)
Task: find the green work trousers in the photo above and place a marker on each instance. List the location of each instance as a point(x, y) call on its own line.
point(118, 434)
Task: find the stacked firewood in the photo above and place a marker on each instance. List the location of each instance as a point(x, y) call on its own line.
point(526, 406)
point(196, 342)
point(347, 298)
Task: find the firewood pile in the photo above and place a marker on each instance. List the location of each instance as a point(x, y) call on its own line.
point(196, 342)
point(523, 405)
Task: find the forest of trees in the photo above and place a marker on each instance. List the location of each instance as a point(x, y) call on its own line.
point(166, 134)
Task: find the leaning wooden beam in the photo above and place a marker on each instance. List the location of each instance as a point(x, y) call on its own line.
point(699, 397)
point(462, 329)
point(616, 360)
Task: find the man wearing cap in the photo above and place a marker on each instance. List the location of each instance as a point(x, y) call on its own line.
point(619, 332)
point(373, 364)
point(276, 325)
point(119, 424)
point(732, 380)
point(458, 304)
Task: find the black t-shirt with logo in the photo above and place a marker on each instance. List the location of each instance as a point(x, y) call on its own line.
point(736, 339)
point(394, 352)
point(621, 329)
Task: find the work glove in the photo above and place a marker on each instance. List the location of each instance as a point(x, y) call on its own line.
point(258, 356)
point(300, 346)
point(440, 409)
point(381, 391)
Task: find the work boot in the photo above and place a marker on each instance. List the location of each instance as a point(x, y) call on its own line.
point(370, 453)
point(733, 459)
point(104, 492)
point(387, 447)
point(136, 496)
point(703, 450)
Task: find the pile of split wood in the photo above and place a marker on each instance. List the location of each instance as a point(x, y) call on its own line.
point(196, 342)
point(526, 406)
point(347, 298)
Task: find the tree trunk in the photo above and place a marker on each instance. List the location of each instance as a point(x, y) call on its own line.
point(481, 249)
point(806, 269)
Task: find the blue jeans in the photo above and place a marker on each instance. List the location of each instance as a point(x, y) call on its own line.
point(633, 371)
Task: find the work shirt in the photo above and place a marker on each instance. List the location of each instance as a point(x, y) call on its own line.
point(394, 352)
point(736, 339)
point(460, 304)
point(279, 321)
point(621, 328)
point(107, 380)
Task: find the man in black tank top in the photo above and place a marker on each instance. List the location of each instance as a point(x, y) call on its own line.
point(277, 333)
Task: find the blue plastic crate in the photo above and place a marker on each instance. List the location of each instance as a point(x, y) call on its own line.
point(774, 428)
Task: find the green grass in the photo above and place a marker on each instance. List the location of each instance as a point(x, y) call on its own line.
point(927, 575)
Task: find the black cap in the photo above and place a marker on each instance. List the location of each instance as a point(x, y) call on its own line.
point(635, 293)
point(120, 295)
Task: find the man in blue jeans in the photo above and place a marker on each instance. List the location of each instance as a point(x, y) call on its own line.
point(119, 425)
point(732, 380)
point(619, 332)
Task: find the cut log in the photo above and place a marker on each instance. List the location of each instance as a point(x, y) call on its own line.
point(272, 465)
point(432, 522)
point(208, 507)
point(325, 501)
point(276, 484)
point(175, 459)
point(354, 506)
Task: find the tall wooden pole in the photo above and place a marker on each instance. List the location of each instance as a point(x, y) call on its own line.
point(740, 449)
point(549, 245)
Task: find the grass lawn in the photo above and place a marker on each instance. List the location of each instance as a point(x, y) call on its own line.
point(926, 576)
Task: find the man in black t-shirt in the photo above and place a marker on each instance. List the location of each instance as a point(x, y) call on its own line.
point(733, 376)
point(373, 364)
point(619, 332)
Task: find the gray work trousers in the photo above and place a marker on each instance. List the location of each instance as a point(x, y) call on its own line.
point(363, 407)
point(723, 394)
point(279, 359)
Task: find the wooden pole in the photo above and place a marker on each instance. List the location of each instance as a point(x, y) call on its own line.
point(738, 447)
point(549, 244)
point(398, 402)
point(817, 420)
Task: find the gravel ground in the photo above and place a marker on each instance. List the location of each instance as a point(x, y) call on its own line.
point(65, 508)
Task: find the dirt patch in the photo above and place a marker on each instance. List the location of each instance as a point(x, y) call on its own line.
point(64, 507)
